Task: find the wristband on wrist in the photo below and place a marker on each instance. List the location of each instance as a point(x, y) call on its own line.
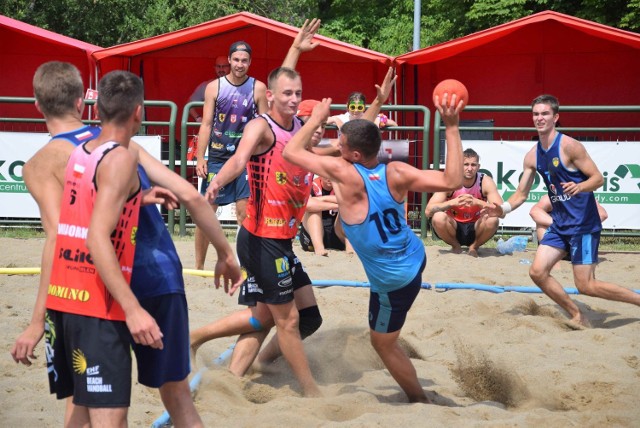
point(506, 208)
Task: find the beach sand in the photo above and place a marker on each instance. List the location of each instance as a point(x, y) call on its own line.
point(485, 359)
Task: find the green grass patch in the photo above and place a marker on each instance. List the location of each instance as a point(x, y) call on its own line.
point(21, 232)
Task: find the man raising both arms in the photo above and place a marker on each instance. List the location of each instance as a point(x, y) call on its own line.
point(230, 102)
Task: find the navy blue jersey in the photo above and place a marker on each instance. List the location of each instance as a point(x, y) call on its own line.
point(577, 214)
point(157, 269)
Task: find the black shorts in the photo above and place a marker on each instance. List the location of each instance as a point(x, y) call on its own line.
point(388, 311)
point(329, 238)
point(273, 270)
point(466, 233)
point(89, 358)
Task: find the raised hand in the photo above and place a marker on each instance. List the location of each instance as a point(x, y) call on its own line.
point(384, 90)
point(304, 39)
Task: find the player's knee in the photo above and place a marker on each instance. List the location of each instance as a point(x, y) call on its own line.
point(255, 323)
point(310, 321)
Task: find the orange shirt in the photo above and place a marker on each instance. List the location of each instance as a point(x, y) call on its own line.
point(279, 189)
point(75, 286)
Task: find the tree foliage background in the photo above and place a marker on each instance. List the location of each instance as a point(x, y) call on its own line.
point(382, 25)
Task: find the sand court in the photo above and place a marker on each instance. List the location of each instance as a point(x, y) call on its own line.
point(485, 359)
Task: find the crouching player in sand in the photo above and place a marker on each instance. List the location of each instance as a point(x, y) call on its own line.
point(371, 203)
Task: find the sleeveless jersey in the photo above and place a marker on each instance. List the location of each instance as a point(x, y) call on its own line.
point(390, 252)
point(75, 285)
point(279, 189)
point(577, 214)
point(157, 269)
point(80, 135)
point(468, 214)
point(234, 107)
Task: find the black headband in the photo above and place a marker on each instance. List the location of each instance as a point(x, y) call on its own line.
point(240, 47)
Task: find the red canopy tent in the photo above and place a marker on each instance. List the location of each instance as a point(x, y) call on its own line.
point(24, 49)
point(173, 64)
point(580, 62)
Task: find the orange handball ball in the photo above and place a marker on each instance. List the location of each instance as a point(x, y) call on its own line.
point(451, 86)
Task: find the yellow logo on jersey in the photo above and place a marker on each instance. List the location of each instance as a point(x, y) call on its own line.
point(221, 117)
point(555, 162)
point(281, 177)
point(134, 232)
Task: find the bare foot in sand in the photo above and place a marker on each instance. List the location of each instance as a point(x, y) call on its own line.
point(457, 249)
point(420, 399)
point(473, 252)
point(321, 252)
point(579, 323)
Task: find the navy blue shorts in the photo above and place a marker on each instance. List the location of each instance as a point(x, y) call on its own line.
point(170, 364)
point(88, 358)
point(388, 311)
point(236, 190)
point(273, 270)
point(583, 249)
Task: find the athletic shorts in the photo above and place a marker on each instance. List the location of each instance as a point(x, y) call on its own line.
point(273, 270)
point(466, 233)
point(583, 249)
point(236, 190)
point(329, 238)
point(88, 358)
point(388, 311)
point(170, 364)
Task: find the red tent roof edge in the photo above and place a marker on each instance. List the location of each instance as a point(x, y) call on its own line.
point(221, 25)
point(41, 33)
point(453, 47)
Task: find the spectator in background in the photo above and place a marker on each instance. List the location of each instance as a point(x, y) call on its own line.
point(455, 216)
point(321, 228)
point(356, 105)
point(222, 68)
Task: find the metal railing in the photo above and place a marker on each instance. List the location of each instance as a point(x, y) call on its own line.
point(395, 130)
point(633, 131)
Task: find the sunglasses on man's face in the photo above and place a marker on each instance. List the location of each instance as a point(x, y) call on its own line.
point(356, 107)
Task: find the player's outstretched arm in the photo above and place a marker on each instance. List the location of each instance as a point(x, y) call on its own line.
point(303, 42)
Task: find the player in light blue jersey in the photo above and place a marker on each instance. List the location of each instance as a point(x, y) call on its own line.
point(371, 204)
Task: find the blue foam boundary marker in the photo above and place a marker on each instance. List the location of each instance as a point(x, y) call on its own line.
point(446, 286)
